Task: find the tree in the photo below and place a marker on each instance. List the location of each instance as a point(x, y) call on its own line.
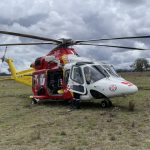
point(140, 64)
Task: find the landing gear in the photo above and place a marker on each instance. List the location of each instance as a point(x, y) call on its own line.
point(106, 103)
point(110, 103)
point(75, 104)
point(34, 101)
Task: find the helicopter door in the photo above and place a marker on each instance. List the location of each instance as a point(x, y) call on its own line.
point(76, 81)
point(54, 81)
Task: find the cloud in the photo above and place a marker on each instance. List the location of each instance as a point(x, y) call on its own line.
point(78, 20)
point(132, 3)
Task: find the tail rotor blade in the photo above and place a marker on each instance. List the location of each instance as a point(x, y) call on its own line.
point(3, 58)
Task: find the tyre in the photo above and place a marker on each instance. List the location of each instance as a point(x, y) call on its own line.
point(104, 104)
point(34, 101)
point(75, 104)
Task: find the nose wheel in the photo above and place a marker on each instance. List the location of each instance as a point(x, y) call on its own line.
point(106, 103)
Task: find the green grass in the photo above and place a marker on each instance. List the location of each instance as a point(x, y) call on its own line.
point(51, 126)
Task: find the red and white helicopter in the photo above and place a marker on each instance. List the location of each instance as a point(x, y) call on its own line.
point(63, 75)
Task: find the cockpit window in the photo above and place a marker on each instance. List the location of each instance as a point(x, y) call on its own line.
point(92, 74)
point(102, 70)
point(77, 75)
point(111, 70)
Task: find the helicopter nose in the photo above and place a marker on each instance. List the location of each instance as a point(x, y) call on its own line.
point(131, 88)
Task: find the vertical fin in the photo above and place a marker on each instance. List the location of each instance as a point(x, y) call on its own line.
point(24, 76)
point(11, 67)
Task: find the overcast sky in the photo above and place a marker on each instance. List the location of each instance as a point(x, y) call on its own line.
point(79, 20)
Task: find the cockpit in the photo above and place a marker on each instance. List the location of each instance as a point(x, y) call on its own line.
point(96, 77)
point(94, 72)
point(89, 73)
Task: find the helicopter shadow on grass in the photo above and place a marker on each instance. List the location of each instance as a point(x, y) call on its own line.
point(95, 104)
point(67, 104)
point(91, 105)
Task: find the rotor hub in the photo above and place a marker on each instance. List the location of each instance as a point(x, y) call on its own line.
point(67, 42)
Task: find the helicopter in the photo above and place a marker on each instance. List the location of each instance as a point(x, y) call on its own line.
point(63, 75)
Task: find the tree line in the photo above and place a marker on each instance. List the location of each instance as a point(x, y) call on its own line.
point(140, 64)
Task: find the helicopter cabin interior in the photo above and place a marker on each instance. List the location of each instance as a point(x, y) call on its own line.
point(47, 82)
point(54, 81)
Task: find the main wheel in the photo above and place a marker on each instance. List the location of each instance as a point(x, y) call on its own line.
point(75, 104)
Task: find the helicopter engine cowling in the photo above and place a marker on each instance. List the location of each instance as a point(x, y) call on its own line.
point(52, 59)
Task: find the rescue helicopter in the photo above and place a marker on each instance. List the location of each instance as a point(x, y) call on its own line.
point(63, 75)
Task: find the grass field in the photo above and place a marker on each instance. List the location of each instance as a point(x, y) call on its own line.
point(51, 126)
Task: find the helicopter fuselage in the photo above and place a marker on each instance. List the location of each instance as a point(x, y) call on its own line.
point(62, 74)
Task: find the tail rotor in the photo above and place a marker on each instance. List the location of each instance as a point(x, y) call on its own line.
point(3, 58)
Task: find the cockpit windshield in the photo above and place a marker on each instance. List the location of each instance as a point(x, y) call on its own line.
point(111, 70)
point(101, 69)
point(93, 74)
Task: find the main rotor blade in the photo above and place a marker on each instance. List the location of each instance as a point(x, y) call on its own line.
point(20, 44)
point(114, 46)
point(30, 36)
point(117, 38)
